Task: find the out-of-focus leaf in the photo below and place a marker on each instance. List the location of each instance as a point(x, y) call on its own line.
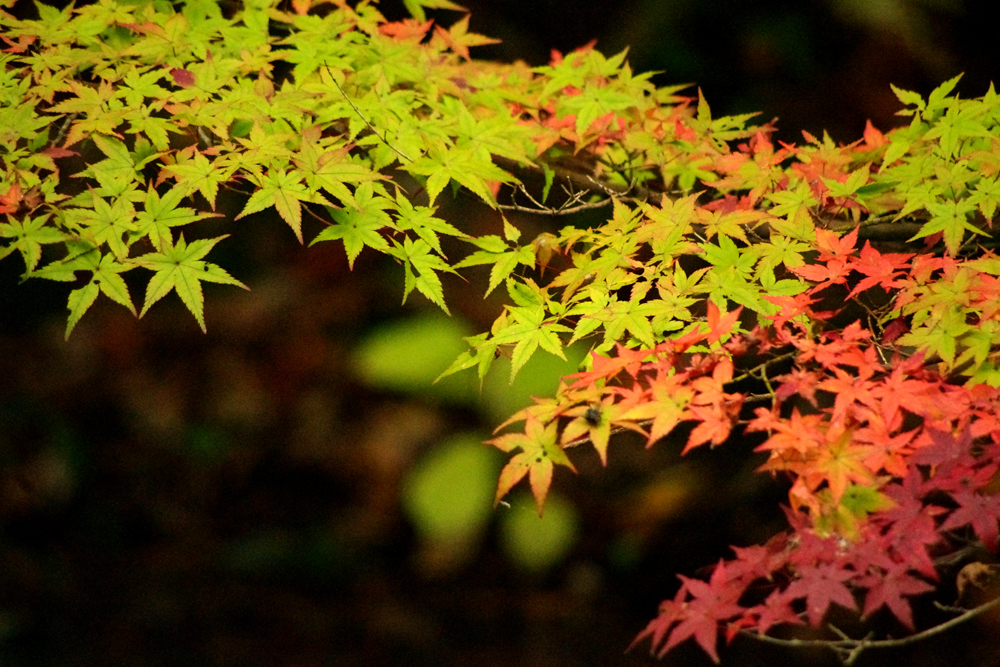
point(537, 544)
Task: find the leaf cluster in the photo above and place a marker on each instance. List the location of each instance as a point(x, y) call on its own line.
point(850, 292)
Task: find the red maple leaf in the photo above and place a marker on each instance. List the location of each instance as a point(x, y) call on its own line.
point(911, 525)
point(888, 590)
point(715, 426)
point(789, 307)
point(832, 247)
point(407, 29)
point(832, 272)
point(873, 138)
point(670, 613)
point(798, 381)
point(879, 269)
point(979, 511)
point(607, 368)
point(776, 609)
point(821, 585)
point(11, 201)
point(720, 323)
point(711, 602)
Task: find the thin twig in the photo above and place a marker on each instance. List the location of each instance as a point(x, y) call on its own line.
point(565, 209)
point(64, 129)
point(362, 117)
point(751, 373)
point(848, 649)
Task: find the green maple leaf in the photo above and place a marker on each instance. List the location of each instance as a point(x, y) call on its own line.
point(359, 227)
point(499, 133)
point(727, 255)
point(331, 170)
point(470, 166)
point(504, 258)
point(939, 338)
point(197, 173)
point(29, 235)
point(120, 163)
point(107, 279)
point(526, 326)
point(162, 213)
point(93, 103)
point(780, 250)
point(180, 267)
point(593, 103)
point(460, 39)
point(952, 219)
point(416, 256)
point(986, 196)
point(421, 220)
point(959, 123)
point(107, 223)
point(794, 205)
point(285, 191)
point(416, 7)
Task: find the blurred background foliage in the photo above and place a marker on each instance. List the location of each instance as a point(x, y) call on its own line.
point(293, 489)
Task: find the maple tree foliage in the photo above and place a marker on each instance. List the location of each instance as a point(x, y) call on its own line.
point(841, 300)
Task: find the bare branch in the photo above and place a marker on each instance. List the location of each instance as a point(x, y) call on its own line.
point(848, 649)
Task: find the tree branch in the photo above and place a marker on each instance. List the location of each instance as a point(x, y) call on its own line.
point(848, 649)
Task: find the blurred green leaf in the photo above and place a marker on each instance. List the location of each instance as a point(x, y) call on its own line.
point(449, 494)
point(539, 377)
point(407, 355)
point(537, 544)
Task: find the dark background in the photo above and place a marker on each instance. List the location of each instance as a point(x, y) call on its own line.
point(174, 498)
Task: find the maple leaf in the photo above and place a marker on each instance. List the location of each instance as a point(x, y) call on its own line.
point(822, 585)
point(711, 603)
point(359, 227)
point(887, 589)
point(670, 613)
point(606, 368)
point(873, 138)
point(529, 329)
point(833, 247)
point(593, 419)
point(539, 454)
point(285, 191)
point(459, 39)
point(776, 609)
point(663, 405)
point(720, 324)
point(180, 267)
point(715, 427)
point(889, 453)
point(951, 219)
point(406, 30)
point(982, 512)
point(503, 257)
point(29, 234)
point(193, 171)
point(839, 463)
point(417, 256)
point(847, 390)
point(471, 166)
point(832, 272)
point(416, 7)
point(162, 213)
point(880, 269)
point(331, 170)
point(912, 527)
